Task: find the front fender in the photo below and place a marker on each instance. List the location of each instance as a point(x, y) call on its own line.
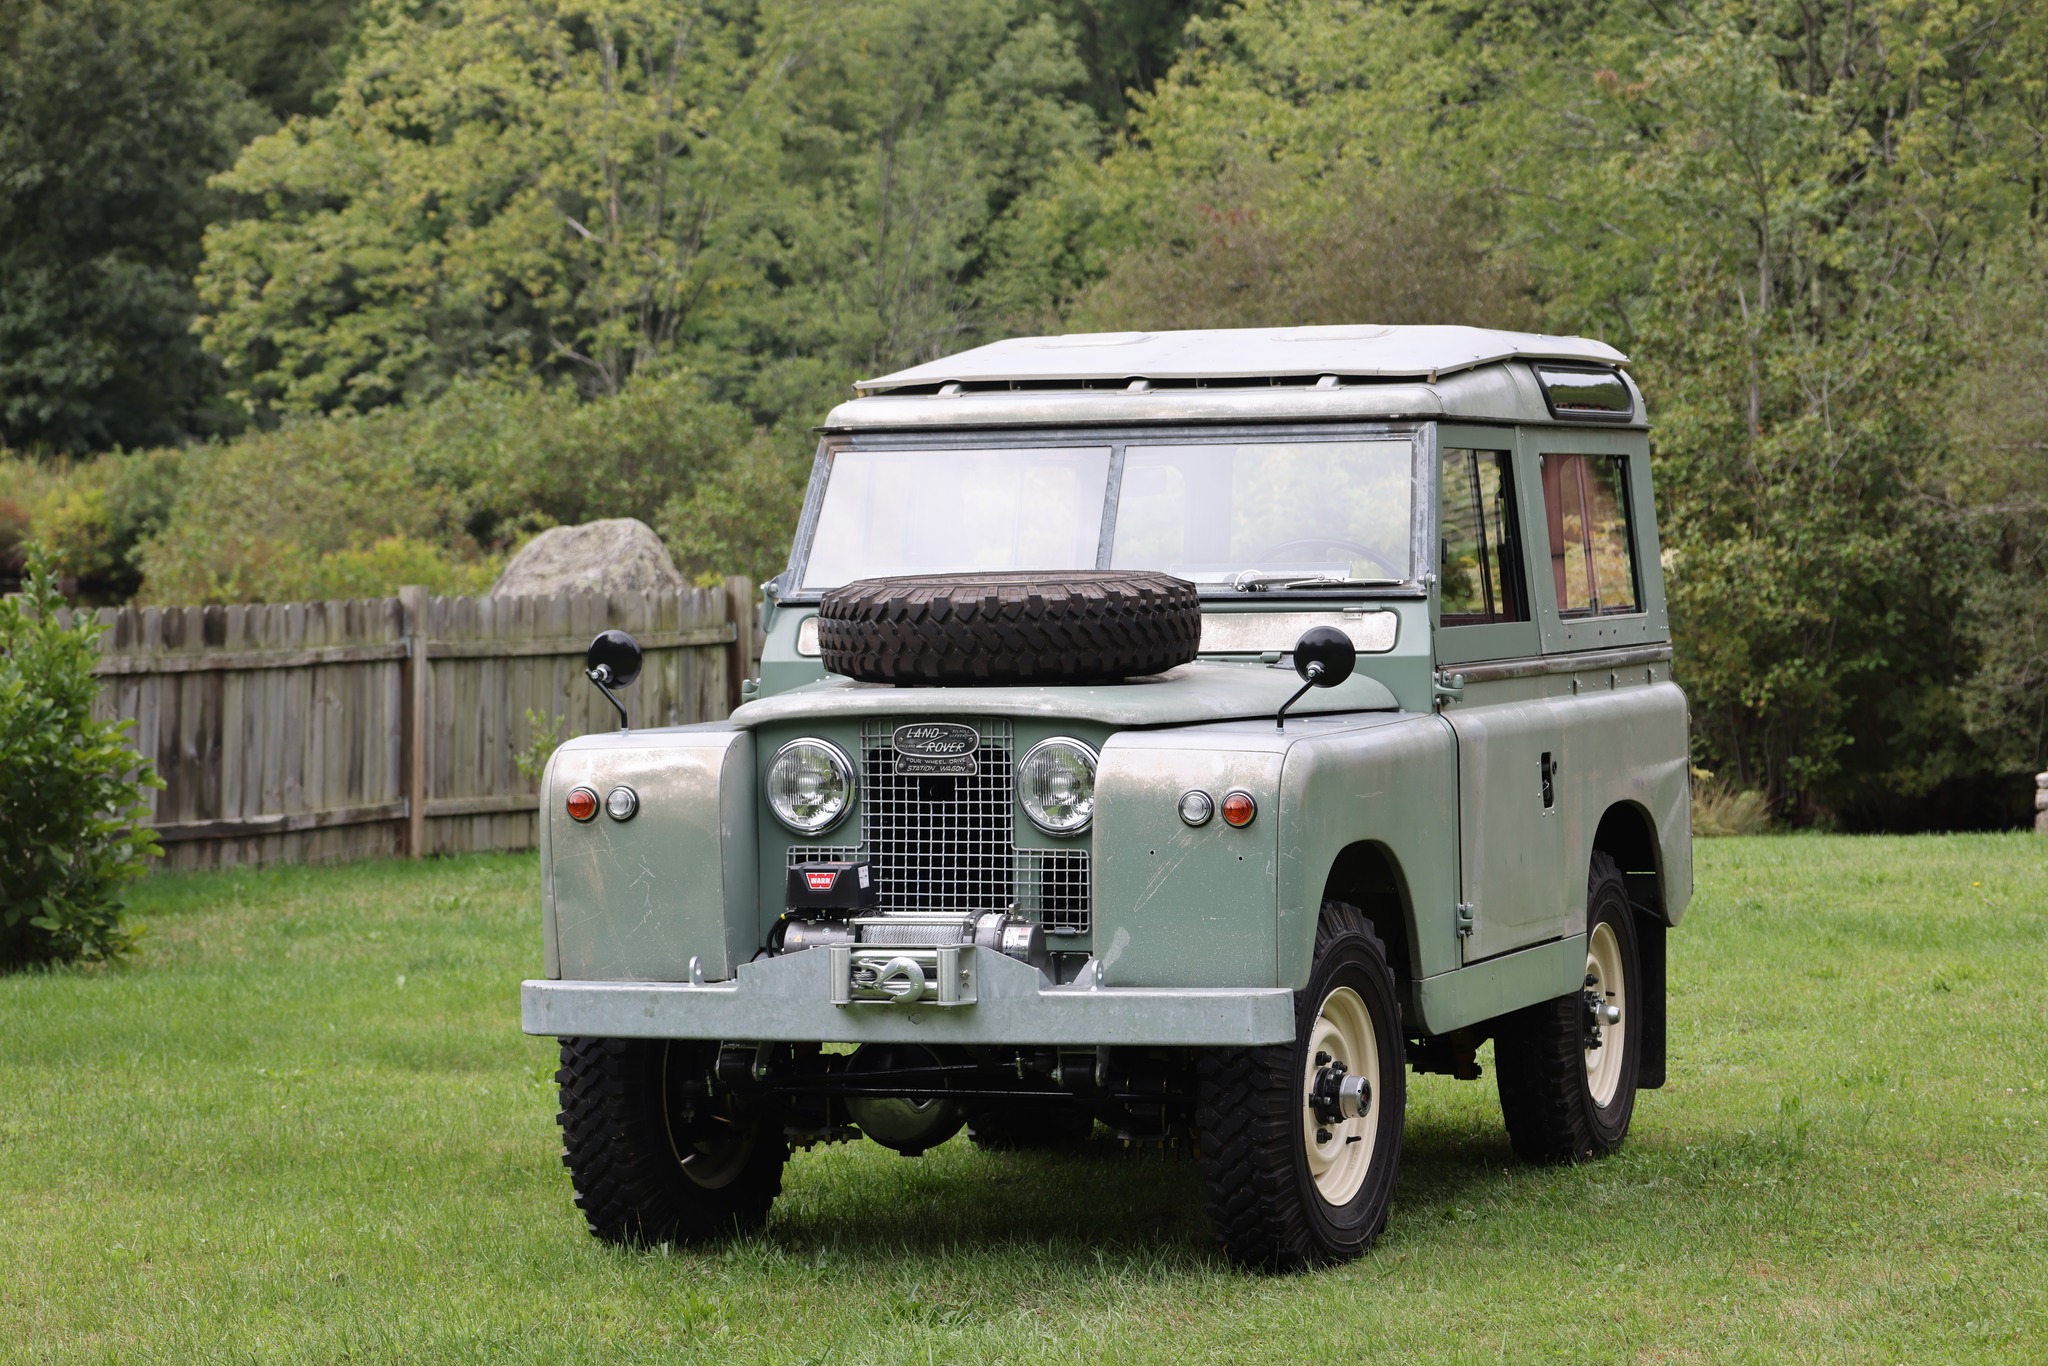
point(1177, 905)
point(636, 900)
point(1392, 784)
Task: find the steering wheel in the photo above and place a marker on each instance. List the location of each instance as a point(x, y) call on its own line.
point(1333, 542)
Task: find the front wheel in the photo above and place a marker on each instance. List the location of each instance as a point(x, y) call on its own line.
point(1567, 1067)
point(1301, 1143)
point(657, 1151)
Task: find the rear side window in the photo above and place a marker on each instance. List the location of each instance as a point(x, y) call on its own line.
point(1478, 559)
point(1588, 395)
point(1592, 553)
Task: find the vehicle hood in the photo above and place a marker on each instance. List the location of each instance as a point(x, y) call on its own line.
point(1206, 690)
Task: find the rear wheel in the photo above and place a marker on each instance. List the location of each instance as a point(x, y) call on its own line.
point(1566, 1068)
point(1301, 1143)
point(656, 1151)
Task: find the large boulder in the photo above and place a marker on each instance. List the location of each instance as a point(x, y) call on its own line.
point(618, 555)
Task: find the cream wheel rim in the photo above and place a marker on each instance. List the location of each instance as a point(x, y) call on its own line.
point(1340, 1154)
point(1606, 1044)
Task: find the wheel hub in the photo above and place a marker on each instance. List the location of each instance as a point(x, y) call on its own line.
point(1604, 1029)
point(1337, 1094)
point(1339, 1076)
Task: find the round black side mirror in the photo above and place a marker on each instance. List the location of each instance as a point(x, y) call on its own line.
point(1324, 656)
point(613, 659)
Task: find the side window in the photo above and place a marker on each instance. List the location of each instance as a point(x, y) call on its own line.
point(1478, 560)
point(1592, 553)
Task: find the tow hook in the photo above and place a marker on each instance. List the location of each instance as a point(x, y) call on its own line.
point(1336, 1095)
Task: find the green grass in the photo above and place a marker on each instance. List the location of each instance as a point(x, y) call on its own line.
point(303, 1125)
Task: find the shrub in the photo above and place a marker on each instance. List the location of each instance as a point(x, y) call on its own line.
point(1720, 808)
point(740, 517)
point(356, 506)
point(71, 797)
point(90, 514)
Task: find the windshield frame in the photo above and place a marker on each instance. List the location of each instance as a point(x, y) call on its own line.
point(1420, 434)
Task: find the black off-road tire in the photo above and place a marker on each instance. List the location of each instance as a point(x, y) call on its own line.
point(1540, 1053)
point(1251, 1125)
point(630, 1109)
point(1085, 626)
point(1018, 1128)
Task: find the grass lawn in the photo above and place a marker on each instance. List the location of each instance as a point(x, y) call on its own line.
point(302, 1124)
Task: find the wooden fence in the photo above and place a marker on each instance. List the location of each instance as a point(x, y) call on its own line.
point(325, 731)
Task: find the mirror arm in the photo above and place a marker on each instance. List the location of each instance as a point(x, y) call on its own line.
point(602, 676)
point(1313, 673)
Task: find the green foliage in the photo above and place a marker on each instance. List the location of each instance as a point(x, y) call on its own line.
point(111, 120)
point(1257, 249)
point(356, 505)
point(1125, 45)
point(580, 189)
point(71, 788)
point(1994, 496)
point(287, 54)
point(574, 256)
point(92, 515)
point(544, 737)
point(740, 518)
point(1798, 223)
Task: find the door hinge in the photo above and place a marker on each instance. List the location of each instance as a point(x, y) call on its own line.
point(1465, 910)
point(1448, 687)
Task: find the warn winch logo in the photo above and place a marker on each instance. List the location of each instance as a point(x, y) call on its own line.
point(821, 882)
point(930, 749)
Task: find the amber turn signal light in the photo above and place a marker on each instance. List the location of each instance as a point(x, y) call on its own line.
point(582, 804)
point(1238, 809)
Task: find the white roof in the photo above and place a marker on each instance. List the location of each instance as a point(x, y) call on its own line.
point(1244, 353)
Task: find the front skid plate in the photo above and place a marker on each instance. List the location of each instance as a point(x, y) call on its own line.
point(790, 998)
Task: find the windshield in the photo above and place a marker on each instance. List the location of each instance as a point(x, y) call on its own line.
point(1254, 513)
point(929, 512)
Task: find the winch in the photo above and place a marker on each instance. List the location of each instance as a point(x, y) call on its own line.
point(902, 957)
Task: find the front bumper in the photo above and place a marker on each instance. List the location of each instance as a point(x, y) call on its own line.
point(790, 999)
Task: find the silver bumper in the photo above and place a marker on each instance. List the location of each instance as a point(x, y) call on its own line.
point(791, 998)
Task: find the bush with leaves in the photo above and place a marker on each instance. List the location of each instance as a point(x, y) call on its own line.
point(71, 788)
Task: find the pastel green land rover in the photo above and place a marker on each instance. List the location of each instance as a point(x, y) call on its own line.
point(1183, 732)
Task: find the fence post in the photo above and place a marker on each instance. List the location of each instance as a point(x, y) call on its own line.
point(741, 607)
point(413, 604)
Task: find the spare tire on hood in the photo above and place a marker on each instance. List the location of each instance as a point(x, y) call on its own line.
point(1078, 626)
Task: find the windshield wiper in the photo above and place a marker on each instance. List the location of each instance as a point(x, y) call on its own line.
point(1252, 581)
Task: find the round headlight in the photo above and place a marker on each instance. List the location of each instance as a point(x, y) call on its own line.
point(810, 785)
point(1056, 785)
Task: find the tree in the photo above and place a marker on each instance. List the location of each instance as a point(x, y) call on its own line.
point(111, 121)
point(286, 54)
point(587, 188)
point(1784, 213)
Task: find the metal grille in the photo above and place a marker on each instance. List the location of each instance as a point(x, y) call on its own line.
point(822, 853)
point(1052, 888)
point(944, 844)
point(939, 844)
